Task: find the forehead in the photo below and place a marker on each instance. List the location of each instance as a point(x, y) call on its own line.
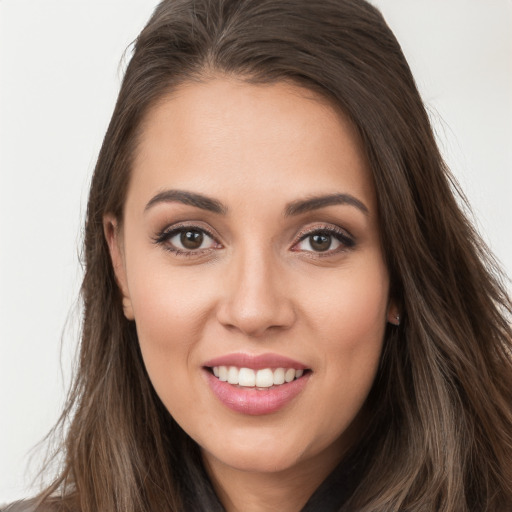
point(228, 135)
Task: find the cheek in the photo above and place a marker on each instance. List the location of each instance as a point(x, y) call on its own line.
point(170, 311)
point(170, 315)
point(352, 307)
point(168, 303)
point(350, 322)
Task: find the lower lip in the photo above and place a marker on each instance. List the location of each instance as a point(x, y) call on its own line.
point(254, 401)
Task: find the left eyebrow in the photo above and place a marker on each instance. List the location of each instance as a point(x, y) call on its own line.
point(317, 202)
point(189, 198)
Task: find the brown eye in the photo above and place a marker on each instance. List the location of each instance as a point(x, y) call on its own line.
point(320, 242)
point(187, 240)
point(191, 239)
point(327, 240)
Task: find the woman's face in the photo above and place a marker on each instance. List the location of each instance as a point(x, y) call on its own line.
point(250, 251)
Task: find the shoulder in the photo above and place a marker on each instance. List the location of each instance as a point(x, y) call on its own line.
point(19, 506)
point(27, 506)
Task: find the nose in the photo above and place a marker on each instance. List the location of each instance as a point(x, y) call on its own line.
point(255, 299)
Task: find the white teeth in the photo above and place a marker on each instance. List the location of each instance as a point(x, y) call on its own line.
point(264, 378)
point(247, 377)
point(279, 376)
point(233, 375)
point(223, 373)
point(289, 375)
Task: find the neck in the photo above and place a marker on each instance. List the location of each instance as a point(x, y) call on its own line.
point(253, 491)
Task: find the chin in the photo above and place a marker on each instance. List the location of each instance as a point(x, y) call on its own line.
point(263, 450)
point(257, 461)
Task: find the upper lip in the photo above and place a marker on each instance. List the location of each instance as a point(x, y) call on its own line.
point(256, 362)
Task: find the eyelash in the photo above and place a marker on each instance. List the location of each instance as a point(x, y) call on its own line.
point(346, 241)
point(163, 238)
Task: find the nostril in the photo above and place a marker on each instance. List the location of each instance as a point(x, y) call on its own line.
point(256, 324)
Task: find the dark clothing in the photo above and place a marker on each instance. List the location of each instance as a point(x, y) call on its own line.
point(335, 490)
point(329, 497)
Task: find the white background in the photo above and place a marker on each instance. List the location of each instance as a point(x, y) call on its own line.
point(59, 76)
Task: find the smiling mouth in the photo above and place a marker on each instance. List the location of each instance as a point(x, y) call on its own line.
point(264, 378)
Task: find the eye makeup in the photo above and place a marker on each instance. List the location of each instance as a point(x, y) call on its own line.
point(192, 239)
point(324, 240)
point(186, 239)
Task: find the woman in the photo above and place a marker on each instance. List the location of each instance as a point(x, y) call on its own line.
point(284, 307)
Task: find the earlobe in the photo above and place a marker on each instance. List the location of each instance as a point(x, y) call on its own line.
point(393, 314)
point(113, 238)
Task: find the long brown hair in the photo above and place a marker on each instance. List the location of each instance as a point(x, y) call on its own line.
point(440, 433)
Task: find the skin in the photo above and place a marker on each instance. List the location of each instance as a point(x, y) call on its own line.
point(258, 285)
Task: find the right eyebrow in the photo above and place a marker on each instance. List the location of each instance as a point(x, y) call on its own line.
point(317, 202)
point(189, 198)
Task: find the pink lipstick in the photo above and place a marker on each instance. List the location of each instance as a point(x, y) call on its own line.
point(256, 385)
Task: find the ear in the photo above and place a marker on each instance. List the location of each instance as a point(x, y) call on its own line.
point(393, 316)
point(115, 246)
